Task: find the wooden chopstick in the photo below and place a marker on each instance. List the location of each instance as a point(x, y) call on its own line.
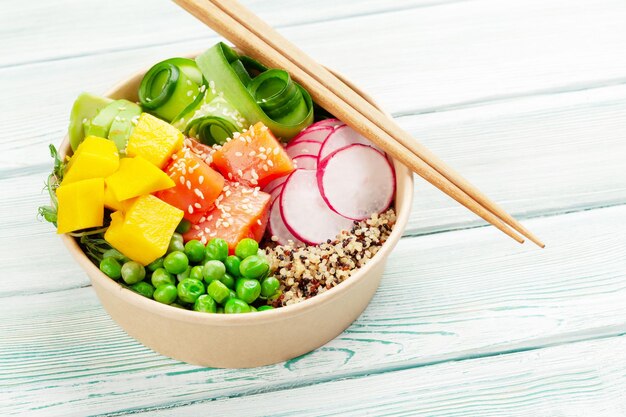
point(229, 27)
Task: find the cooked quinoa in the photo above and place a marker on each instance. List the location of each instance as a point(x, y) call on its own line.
point(310, 270)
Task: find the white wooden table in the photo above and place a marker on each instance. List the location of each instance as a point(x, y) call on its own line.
point(526, 98)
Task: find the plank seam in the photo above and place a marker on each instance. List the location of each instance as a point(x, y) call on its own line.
point(104, 51)
point(540, 343)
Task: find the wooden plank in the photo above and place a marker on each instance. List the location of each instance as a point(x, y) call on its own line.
point(432, 71)
point(507, 149)
point(443, 297)
point(581, 379)
point(117, 24)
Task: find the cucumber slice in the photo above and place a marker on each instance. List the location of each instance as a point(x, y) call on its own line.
point(101, 124)
point(122, 124)
point(189, 67)
point(84, 109)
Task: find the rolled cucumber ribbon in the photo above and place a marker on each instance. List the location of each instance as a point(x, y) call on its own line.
point(170, 87)
point(270, 97)
point(210, 119)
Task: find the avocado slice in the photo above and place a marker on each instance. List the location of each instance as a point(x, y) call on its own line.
point(122, 124)
point(101, 124)
point(84, 109)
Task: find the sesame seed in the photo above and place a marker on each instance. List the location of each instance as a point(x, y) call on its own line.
point(251, 153)
point(182, 180)
point(200, 179)
point(270, 162)
point(198, 193)
point(190, 209)
point(276, 151)
point(238, 154)
point(188, 184)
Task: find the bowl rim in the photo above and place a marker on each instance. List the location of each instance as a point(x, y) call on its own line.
point(289, 311)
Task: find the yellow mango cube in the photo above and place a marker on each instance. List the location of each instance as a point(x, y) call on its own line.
point(95, 158)
point(136, 177)
point(154, 139)
point(110, 201)
point(81, 205)
point(144, 231)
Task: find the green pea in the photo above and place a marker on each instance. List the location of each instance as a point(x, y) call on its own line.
point(162, 277)
point(248, 290)
point(218, 291)
point(177, 306)
point(216, 250)
point(269, 286)
point(213, 270)
point(194, 249)
point(165, 294)
point(246, 247)
point(156, 264)
point(253, 309)
point(232, 265)
point(265, 308)
point(205, 304)
point(184, 275)
point(190, 289)
point(197, 272)
point(111, 267)
point(133, 272)
point(143, 288)
point(228, 280)
point(114, 253)
point(236, 306)
point(176, 262)
point(254, 266)
point(176, 243)
point(231, 294)
point(183, 227)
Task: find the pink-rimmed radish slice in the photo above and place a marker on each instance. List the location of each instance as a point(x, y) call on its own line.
point(304, 211)
point(356, 181)
point(275, 193)
point(303, 148)
point(276, 226)
point(306, 161)
point(341, 137)
point(275, 184)
point(326, 123)
point(318, 134)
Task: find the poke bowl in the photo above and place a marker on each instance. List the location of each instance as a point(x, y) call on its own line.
point(321, 270)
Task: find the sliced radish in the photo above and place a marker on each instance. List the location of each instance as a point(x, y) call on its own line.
point(277, 227)
point(317, 134)
point(304, 147)
point(306, 161)
point(275, 193)
point(275, 183)
point(356, 181)
point(341, 137)
point(326, 123)
point(304, 211)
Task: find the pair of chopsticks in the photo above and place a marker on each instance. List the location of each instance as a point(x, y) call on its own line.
point(260, 41)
